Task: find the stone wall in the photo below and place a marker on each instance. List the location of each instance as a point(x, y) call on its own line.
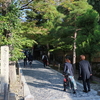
point(12, 72)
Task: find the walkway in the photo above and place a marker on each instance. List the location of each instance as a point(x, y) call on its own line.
point(47, 84)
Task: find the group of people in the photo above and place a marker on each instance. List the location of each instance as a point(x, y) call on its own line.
point(84, 73)
point(28, 58)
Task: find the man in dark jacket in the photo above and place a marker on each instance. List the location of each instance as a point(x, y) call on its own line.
point(68, 69)
point(85, 72)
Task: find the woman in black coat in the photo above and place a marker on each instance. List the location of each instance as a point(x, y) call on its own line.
point(85, 72)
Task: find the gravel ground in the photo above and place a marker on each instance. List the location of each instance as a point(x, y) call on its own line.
point(47, 84)
point(17, 88)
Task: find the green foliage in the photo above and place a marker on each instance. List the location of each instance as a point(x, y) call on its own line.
point(88, 21)
point(95, 4)
point(46, 17)
point(16, 54)
point(16, 40)
point(80, 16)
point(88, 37)
point(50, 23)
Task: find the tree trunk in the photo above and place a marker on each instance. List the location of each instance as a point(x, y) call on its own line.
point(5, 5)
point(48, 51)
point(74, 51)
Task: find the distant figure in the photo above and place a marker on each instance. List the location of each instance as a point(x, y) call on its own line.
point(30, 59)
point(25, 61)
point(85, 72)
point(26, 53)
point(45, 60)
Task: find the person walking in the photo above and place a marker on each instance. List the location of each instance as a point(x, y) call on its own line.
point(45, 60)
point(30, 59)
point(68, 69)
point(25, 61)
point(85, 73)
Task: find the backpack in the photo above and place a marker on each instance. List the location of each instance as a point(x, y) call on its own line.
point(45, 57)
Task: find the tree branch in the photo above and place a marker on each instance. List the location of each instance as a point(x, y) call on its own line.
point(24, 6)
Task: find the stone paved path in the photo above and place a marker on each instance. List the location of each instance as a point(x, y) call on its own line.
point(47, 84)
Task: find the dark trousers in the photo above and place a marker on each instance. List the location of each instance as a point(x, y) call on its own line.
point(25, 62)
point(45, 63)
point(86, 84)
